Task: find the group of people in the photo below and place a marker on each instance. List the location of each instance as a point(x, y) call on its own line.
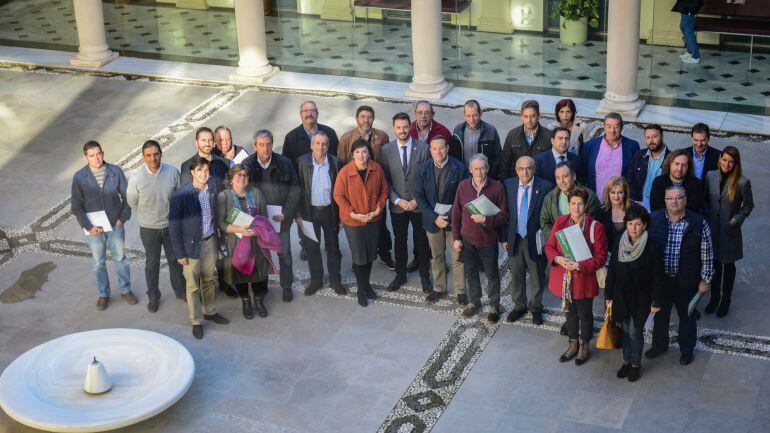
point(666, 224)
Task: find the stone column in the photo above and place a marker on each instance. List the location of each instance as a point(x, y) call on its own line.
point(622, 60)
point(92, 50)
point(495, 17)
point(253, 66)
point(428, 79)
point(340, 10)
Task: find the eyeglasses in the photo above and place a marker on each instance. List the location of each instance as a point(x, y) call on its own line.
point(677, 198)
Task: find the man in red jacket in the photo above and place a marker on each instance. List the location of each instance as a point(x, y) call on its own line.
point(476, 235)
point(424, 128)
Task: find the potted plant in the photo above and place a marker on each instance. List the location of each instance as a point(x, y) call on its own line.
point(575, 16)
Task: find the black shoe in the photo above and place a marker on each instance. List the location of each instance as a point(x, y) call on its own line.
point(723, 309)
point(563, 329)
point(434, 296)
point(712, 305)
point(311, 289)
point(288, 295)
point(247, 312)
point(634, 373)
point(216, 318)
point(361, 295)
point(259, 305)
point(181, 296)
point(493, 316)
point(412, 266)
point(695, 314)
point(388, 262)
point(515, 315)
point(303, 254)
point(685, 359)
point(198, 331)
point(471, 309)
point(623, 372)
point(339, 289)
point(427, 285)
point(227, 290)
point(537, 318)
point(370, 293)
point(462, 299)
point(152, 305)
point(397, 283)
point(654, 352)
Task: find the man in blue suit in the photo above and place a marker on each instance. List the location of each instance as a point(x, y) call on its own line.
point(607, 156)
point(523, 240)
point(546, 161)
point(437, 180)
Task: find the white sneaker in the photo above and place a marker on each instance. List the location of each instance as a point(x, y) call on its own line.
point(685, 55)
point(691, 59)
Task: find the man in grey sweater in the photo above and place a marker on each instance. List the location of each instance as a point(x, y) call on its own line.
point(148, 193)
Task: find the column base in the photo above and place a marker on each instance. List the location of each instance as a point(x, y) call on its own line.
point(93, 61)
point(495, 25)
point(430, 91)
point(254, 76)
point(626, 106)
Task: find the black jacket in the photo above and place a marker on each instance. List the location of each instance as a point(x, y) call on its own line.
point(690, 261)
point(545, 165)
point(711, 161)
point(489, 145)
point(693, 187)
point(305, 169)
point(516, 146)
point(540, 188)
point(689, 7)
point(217, 172)
point(635, 286)
point(604, 216)
point(296, 143)
point(282, 187)
point(185, 221)
point(426, 191)
point(637, 172)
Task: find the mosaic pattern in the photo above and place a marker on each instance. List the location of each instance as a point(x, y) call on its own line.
point(382, 49)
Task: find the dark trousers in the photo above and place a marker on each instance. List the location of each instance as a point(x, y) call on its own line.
point(259, 289)
point(675, 295)
point(323, 219)
point(401, 223)
point(153, 240)
point(632, 341)
point(363, 275)
point(722, 283)
point(384, 244)
point(474, 259)
point(520, 263)
point(580, 319)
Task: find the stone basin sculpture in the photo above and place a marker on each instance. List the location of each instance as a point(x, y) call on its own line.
point(43, 388)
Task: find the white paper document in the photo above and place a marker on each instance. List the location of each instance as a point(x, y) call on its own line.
point(99, 219)
point(482, 206)
point(442, 209)
point(273, 210)
point(539, 242)
point(308, 230)
point(573, 243)
point(240, 219)
point(240, 157)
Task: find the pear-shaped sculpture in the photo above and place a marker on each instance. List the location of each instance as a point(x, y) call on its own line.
point(97, 379)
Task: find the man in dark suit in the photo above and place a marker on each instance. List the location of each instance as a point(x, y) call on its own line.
point(529, 138)
point(400, 161)
point(546, 161)
point(522, 239)
point(607, 156)
point(204, 143)
point(476, 136)
point(677, 170)
point(704, 157)
point(437, 181)
point(646, 165)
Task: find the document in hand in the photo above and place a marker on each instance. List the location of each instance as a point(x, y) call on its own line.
point(694, 302)
point(442, 209)
point(99, 219)
point(308, 230)
point(273, 210)
point(240, 157)
point(239, 218)
point(482, 206)
point(573, 243)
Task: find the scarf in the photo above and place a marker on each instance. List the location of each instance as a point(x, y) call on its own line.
point(628, 252)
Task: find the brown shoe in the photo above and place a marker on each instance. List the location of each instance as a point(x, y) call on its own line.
point(129, 297)
point(572, 350)
point(582, 356)
point(102, 303)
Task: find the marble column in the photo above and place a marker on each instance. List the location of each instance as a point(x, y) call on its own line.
point(428, 77)
point(253, 66)
point(93, 51)
point(622, 60)
point(495, 17)
point(340, 10)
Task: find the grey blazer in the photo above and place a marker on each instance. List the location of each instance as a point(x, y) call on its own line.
point(727, 239)
point(402, 185)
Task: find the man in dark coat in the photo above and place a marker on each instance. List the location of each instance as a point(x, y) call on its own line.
point(527, 139)
point(476, 136)
point(677, 170)
point(646, 165)
point(297, 141)
point(545, 162)
point(704, 157)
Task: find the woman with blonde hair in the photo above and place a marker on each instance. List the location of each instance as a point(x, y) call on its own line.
point(728, 202)
point(616, 199)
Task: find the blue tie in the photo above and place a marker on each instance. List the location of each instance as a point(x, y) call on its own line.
point(523, 211)
point(403, 158)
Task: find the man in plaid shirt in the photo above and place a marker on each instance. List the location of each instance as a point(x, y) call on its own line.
point(688, 265)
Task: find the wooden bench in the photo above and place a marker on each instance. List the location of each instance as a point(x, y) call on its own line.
point(735, 17)
point(450, 7)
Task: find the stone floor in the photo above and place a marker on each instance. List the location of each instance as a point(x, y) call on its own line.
point(321, 363)
point(382, 49)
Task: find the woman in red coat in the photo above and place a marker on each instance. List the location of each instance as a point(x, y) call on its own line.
point(575, 282)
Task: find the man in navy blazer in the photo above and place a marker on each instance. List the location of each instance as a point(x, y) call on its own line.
point(607, 156)
point(523, 241)
point(437, 180)
point(704, 157)
point(546, 161)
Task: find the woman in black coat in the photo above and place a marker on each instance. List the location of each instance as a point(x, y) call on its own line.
point(634, 286)
point(616, 199)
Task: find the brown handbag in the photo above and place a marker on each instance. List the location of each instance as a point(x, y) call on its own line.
point(609, 336)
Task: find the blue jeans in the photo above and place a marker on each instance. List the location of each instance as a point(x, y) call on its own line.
point(98, 245)
point(687, 26)
point(633, 342)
